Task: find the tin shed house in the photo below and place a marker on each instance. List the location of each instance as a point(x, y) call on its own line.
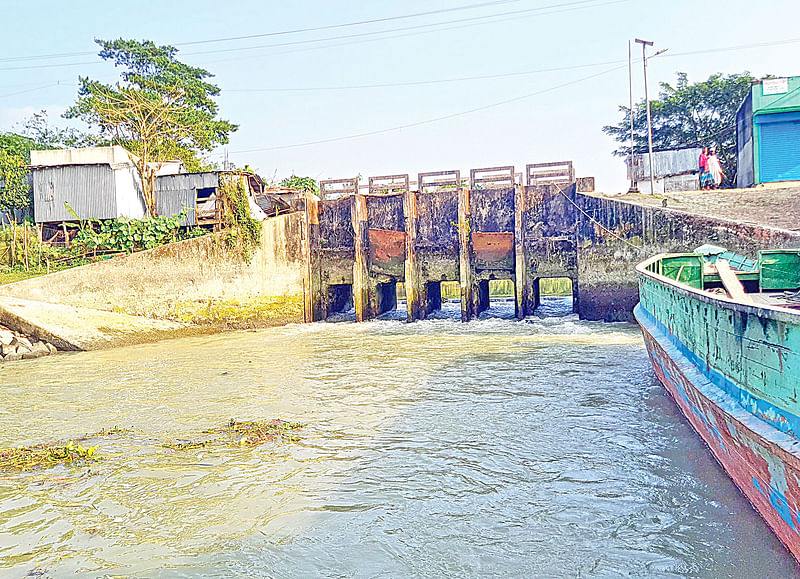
point(768, 133)
point(673, 170)
point(198, 198)
point(96, 183)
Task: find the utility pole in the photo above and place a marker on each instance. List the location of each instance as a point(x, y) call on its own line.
point(645, 44)
point(633, 187)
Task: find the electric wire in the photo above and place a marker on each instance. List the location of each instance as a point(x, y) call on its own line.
point(432, 120)
point(416, 27)
point(593, 220)
point(420, 29)
point(425, 82)
point(313, 29)
point(34, 89)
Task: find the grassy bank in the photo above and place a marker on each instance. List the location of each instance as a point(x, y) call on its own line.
point(10, 276)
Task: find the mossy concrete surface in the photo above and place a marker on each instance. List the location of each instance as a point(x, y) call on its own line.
point(617, 233)
point(194, 286)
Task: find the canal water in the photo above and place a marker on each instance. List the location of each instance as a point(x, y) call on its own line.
point(541, 448)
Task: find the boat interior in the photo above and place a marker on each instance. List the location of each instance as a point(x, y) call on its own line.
point(773, 279)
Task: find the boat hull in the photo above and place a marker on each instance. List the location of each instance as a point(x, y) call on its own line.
point(763, 462)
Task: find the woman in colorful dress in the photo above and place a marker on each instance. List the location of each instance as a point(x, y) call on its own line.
point(705, 177)
point(714, 168)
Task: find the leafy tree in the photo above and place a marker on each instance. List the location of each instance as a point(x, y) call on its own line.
point(302, 183)
point(688, 115)
point(161, 109)
point(38, 128)
point(15, 157)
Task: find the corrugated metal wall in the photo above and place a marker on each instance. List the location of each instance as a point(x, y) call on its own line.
point(667, 163)
point(89, 190)
point(174, 193)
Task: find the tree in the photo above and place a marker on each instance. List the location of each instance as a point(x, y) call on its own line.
point(160, 110)
point(15, 157)
point(38, 128)
point(689, 115)
point(302, 183)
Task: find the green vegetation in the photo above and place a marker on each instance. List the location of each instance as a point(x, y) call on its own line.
point(689, 115)
point(11, 276)
point(235, 433)
point(501, 288)
point(555, 286)
point(45, 455)
point(303, 183)
point(504, 288)
point(239, 222)
point(161, 109)
point(15, 156)
point(126, 235)
point(23, 254)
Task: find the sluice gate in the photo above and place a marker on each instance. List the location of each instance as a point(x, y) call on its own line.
point(497, 225)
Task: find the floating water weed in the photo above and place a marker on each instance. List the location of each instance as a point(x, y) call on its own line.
point(44, 455)
point(246, 433)
point(115, 430)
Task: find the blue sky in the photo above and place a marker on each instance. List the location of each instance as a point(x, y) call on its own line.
point(551, 116)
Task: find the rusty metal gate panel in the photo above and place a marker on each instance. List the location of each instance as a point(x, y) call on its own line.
point(493, 250)
point(387, 251)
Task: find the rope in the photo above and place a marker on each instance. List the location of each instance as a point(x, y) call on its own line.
point(606, 229)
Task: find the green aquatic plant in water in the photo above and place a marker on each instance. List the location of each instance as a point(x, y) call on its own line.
point(44, 455)
point(242, 433)
point(234, 433)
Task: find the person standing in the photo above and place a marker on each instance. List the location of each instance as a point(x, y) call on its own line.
point(705, 177)
point(714, 168)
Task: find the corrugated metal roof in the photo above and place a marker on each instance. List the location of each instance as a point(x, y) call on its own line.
point(89, 189)
point(666, 163)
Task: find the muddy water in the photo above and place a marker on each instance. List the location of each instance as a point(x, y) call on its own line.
point(495, 448)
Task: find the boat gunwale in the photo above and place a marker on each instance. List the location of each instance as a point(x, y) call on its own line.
point(775, 313)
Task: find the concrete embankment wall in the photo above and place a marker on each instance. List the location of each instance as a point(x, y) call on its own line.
point(627, 233)
point(198, 281)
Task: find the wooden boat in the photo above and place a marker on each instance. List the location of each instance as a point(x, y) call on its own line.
point(726, 345)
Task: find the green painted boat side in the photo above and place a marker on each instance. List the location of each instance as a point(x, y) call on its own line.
point(733, 369)
point(755, 349)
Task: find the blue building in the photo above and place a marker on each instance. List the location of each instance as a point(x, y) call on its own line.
point(768, 133)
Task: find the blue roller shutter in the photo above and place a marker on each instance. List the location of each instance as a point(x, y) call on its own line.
point(779, 147)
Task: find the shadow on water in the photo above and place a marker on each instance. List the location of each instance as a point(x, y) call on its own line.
point(497, 448)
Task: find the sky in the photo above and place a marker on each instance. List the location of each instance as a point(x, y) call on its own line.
point(472, 83)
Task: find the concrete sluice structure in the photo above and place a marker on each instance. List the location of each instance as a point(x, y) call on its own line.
point(361, 245)
point(349, 249)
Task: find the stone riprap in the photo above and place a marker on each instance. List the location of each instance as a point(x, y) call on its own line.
point(18, 346)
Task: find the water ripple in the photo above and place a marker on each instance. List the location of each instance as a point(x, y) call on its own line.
point(497, 448)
